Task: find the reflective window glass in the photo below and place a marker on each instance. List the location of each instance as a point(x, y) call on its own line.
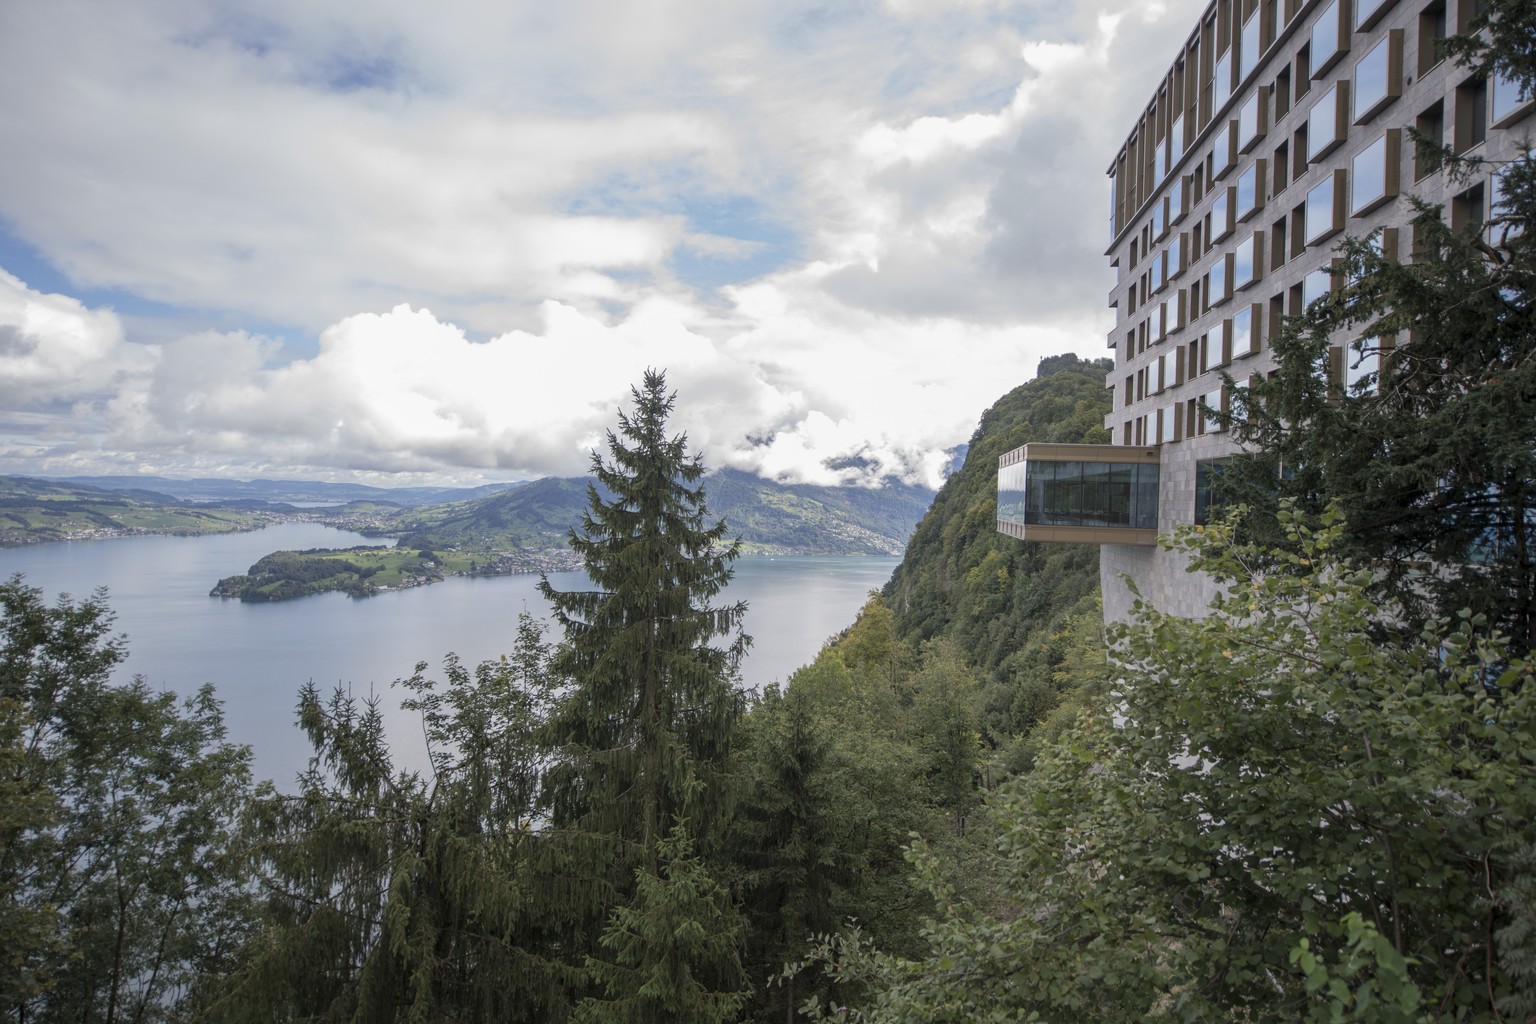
point(1242, 332)
point(1250, 51)
point(1216, 291)
point(1504, 97)
point(1371, 79)
point(1362, 364)
point(1323, 126)
point(1248, 191)
point(1364, 9)
point(1320, 212)
point(1221, 87)
point(1326, 43)
point(1248, 121)
point(1367, 176)
point(1212, 403)
point(1499, 205)
point(1243, 266)
point(1221, 216)
point(1315, 285)
point(1221, 150)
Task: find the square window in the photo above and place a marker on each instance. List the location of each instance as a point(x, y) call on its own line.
point(1159, 221)
point(1506, 102)
point(1250, 190)
point(1223, 150)
point(1373, 173)
point(1252, 120)
point(1330, 38)
point(1327, 120)
point(1250, 45)
point(1223, 214)
point(1175, 256)
point(1176, 140)
point(1248, 260)
point(1221, 86)
point(1325, 215)
point(1379, 77)
point(1367, 12)
point(1178, 207)
point(1316, 285)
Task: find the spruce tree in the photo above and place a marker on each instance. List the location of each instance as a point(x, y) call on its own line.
point(641, 735)
point(646, 725)
point(674, 948)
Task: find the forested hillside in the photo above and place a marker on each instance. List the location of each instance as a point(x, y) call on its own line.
point(1006, 602)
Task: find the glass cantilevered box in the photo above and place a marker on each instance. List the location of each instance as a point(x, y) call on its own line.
point(1081, 493)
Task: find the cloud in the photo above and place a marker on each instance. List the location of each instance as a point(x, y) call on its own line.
point(406, 392)
point(53, 350)
point(844, 231)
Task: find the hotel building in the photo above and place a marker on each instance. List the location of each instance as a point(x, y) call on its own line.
point(1280, 127)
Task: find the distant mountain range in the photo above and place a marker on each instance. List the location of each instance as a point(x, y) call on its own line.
point(768, 516)
point(214, 489)
point(522, 518)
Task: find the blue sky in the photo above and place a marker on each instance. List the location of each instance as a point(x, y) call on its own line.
point(394, 243)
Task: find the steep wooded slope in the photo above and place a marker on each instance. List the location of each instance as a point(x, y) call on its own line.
point(962, 579)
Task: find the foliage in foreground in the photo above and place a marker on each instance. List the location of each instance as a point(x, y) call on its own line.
point(1280, 817)
point(1430, 450)
point(121, 882)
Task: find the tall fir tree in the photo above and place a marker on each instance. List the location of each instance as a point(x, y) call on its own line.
point(641, 736)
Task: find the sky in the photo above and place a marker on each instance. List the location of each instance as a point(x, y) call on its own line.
point(403, 243)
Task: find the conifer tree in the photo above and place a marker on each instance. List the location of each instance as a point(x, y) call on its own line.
point(644, 730)
point(673, 948)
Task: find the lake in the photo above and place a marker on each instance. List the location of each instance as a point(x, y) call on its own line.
point(258, 655)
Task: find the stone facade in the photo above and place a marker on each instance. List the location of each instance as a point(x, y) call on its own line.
point(1281, 127)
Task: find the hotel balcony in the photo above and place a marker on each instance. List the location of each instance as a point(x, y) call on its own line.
point(1079, 493)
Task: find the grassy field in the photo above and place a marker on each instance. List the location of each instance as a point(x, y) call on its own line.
point(35, 520)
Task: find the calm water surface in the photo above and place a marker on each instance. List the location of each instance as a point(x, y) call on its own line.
point(258, 655)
